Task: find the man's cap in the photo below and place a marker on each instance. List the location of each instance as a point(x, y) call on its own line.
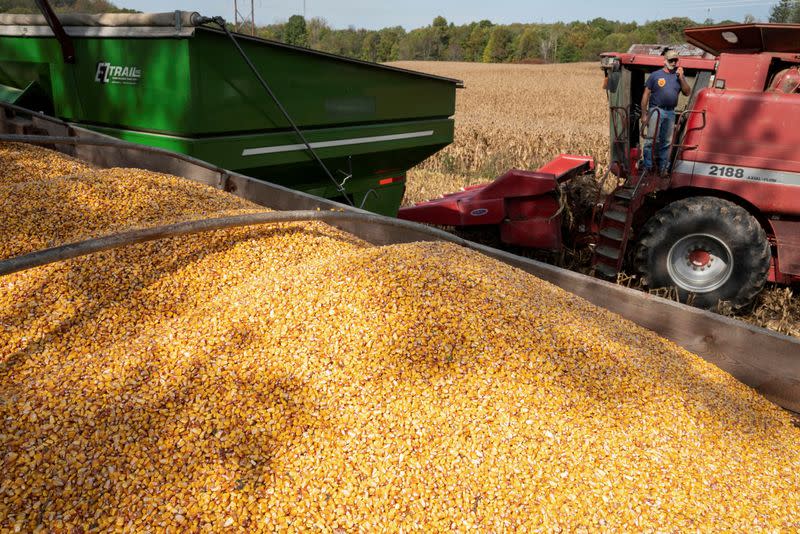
point(671, 54)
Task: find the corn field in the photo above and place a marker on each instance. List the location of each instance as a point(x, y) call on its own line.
point(513, 116)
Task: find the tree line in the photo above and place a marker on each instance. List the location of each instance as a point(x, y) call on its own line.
point(785, 11)
point(481, 41)
point(484, 41)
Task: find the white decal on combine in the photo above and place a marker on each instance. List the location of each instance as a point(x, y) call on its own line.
point(732, 172)
point(338, 142)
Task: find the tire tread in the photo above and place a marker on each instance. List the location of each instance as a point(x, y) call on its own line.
point(657, 229)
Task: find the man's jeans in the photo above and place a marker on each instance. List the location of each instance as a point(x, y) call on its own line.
point(666, 121)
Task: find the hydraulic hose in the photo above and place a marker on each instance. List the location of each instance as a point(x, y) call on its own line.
point(219, 21)
point(122, 239)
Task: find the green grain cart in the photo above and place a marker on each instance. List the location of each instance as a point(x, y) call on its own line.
point(334, 127)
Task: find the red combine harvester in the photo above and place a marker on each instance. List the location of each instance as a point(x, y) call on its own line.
point(723, 221)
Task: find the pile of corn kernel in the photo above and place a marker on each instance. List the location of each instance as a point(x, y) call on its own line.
point(294, 377)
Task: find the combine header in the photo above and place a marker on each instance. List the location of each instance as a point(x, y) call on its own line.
point(724, 220)
point(524, 204)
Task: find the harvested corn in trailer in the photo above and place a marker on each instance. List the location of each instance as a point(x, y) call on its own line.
point(40, 208)
point(292, 376)
point(24, 163)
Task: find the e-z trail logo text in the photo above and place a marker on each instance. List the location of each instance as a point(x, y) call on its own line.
point(108, 73)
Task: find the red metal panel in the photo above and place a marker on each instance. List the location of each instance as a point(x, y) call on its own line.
point(477, 211)
point(460, 209)
point(787, 235)
point(658, 61)
point(744, 71)
point(565, 166)
point(746, 38)
point(532, 207)
point(534, 233)
point(759, 125)
point(755, 134)
point(485, 204)
point(524, 203)
point(517, 183)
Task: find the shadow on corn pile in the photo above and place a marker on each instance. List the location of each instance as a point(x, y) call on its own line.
point(122, 396)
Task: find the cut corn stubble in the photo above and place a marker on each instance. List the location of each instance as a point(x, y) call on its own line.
point(294, 376)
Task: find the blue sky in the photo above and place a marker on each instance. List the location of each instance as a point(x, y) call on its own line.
point(375, 14)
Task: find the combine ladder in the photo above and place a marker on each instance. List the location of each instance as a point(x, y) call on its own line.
point(616, 223)
point(618, 212)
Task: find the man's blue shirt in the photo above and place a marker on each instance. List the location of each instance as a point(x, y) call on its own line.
point(664, 89)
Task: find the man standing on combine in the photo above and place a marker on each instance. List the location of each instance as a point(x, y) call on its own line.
point(659, 99)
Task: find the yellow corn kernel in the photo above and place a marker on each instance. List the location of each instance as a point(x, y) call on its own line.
point(294, 377)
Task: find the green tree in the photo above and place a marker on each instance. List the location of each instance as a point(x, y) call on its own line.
point(428, 43)
point(600, 27)
point(441, 32)
point(670, 30)
point(369, 46)
point(617, 42)
point(549, 44)
point(317, 30)
point(387, 43)
point(476, 43)
point(419, 44)
point(785, 11)
point(498, 48)
point(528, 46)
point(273, 32)
point(568, 52)
point(457, 49)
point(294, 32)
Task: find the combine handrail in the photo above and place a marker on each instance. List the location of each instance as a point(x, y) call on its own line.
point(676, 133)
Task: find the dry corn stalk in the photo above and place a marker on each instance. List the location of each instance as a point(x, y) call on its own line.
point(294, 377)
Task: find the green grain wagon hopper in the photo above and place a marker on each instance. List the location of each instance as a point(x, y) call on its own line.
point(331, 126)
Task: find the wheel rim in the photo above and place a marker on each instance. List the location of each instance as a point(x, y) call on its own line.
point(699, 263)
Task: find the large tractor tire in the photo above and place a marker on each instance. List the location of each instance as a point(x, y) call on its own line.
point(706, 247)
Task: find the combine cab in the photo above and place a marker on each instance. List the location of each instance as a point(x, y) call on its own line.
point(334, 127)
point(726, 218)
